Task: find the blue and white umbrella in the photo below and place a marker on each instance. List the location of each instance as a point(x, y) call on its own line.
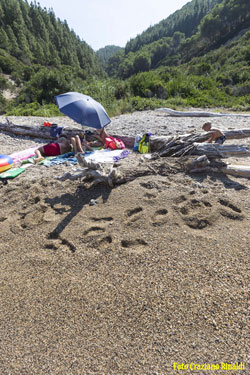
point(83, 109)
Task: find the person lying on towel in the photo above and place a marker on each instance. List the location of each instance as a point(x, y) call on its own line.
point(59, 147)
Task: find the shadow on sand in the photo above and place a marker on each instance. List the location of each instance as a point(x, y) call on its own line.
point(75, 202)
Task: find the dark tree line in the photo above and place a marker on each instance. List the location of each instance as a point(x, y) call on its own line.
point(186, 20)
point(34, 35)
point(209, 23)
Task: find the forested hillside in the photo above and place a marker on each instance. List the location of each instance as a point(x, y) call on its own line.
point(159, 43)
point(199, 56)
point(38, 48)
point(186, 20)
point(106, 52)
point(34, 35)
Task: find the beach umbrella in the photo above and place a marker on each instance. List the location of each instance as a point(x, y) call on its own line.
point(83, 109)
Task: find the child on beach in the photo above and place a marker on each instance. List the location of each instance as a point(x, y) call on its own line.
point(216, 135)
point(59, 147)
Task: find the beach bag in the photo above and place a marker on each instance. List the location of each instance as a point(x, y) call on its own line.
point(114, 143)
point(138, 138)
point(143, 146)
point(56, 131)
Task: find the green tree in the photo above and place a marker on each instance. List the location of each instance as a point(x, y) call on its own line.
point(4, 40)
point(13, 46)
point(142, 63)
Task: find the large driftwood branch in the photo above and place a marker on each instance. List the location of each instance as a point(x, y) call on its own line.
point(33, 131)
point(203, 165)
point(44, 132)
point(174, 113)
point(159, 143)
point(121, 174)
point(191, 144)
point(213, 150)
point(236, 170)
point(91, 170)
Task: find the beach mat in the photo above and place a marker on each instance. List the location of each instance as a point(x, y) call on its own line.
point(12, 173)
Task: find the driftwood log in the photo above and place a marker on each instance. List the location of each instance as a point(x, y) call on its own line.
point(191, 144)
point(174, 113)
point(91, 170)
point(157, 142)
point(44, 132)
point(114, 174)
point(202, 164)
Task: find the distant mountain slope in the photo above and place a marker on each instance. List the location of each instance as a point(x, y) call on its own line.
point(34, 35)
point(225, 20)
point(106, 52)
point(186, 20)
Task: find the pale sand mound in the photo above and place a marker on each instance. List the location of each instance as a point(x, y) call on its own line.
point(154, 273)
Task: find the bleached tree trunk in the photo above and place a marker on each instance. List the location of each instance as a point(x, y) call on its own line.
point(212, 150)
point(202, 164)
point(174, 113)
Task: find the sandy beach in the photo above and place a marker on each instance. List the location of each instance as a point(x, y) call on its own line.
point(155, 274)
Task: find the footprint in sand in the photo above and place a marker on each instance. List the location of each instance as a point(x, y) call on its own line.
point(103, 243)
point(133, 215)
point(150, 195)
point(136, 246)
point(97, 229)
point(160, 217)
point(58, 243)
point(229, 210)
point(32, 219)
point(150, 185)
point(93, 230)
point(104, 219)
point(196, 213)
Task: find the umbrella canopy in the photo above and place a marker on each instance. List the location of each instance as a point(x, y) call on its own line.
point(83, 109)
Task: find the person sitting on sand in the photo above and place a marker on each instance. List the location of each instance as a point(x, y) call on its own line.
point(59, 147)
point(216, 135)
point(96, 139)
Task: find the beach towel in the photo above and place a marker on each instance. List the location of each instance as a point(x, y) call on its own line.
point(22, 155)
point(106, 156)
point(68, 158)
point(114, 143)
point(12, 173)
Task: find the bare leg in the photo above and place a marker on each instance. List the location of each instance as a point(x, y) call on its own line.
point(38, 153)
point(76, 142)
point(79, 144)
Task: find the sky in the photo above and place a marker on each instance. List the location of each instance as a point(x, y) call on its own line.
point(111, 22)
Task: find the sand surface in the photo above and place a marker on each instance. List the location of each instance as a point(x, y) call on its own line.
point(155, 273)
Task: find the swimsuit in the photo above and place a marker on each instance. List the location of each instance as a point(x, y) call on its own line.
point(52, 149)
point(220, 140)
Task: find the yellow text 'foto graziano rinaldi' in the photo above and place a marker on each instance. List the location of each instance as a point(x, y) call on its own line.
point(209, 366)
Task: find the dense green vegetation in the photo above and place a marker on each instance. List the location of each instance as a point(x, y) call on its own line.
point(185, 21)
point(199, 57)
point(106, 53)
point(41, 54)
